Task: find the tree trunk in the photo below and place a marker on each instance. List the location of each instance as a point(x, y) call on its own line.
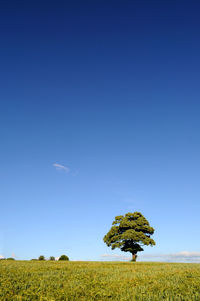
point(134, 256)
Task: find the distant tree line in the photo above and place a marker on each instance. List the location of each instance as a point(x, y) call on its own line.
point(42, 258)
point(52, 258)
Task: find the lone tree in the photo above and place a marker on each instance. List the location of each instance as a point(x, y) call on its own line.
point(130, 233)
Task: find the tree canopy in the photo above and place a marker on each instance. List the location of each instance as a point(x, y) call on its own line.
point(130, 233)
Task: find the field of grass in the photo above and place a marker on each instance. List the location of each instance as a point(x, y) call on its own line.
point(34, 280)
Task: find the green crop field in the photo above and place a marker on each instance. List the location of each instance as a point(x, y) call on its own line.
point(34, 280)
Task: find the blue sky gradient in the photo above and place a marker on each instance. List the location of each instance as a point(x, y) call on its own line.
point(109, 90)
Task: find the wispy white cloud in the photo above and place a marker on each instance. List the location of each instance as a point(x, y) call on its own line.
point(183, 256)
point(114, 257)
point(61, 167)
point(1, 257)
point(179, 256)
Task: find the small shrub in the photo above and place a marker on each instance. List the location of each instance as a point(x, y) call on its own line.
point(63, 257)
point(10, 258)
point(41, 257)
point(51, 258)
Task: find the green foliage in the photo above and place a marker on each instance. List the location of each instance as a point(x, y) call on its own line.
point(10, 258)
point(52, 258)
point(63, 257)
point(41, 257)
point(102, 281)
point(130, 233)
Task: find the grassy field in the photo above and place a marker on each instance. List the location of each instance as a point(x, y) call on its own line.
point(28, 280)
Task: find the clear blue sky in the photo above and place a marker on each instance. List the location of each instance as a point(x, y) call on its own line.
point(110, 91)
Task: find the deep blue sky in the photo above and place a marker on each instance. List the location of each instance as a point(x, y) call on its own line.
point(110, 90)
